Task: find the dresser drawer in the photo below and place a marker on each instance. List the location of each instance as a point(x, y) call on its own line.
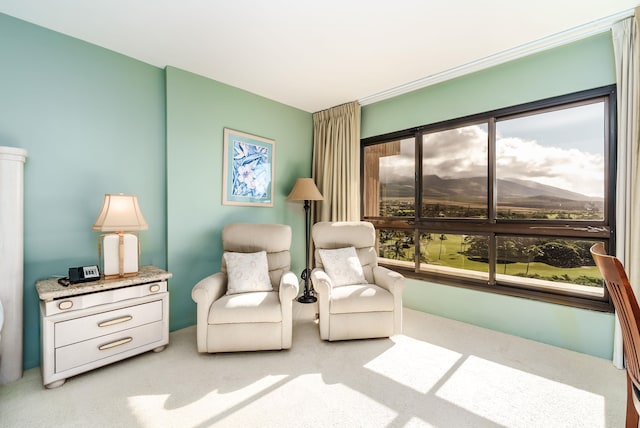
point(91, 351)
point(104, 323)
point(94, 299)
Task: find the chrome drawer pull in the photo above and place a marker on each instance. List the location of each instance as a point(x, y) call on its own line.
point(115, 321)
point(116, 343)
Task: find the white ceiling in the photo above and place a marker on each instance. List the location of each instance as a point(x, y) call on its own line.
point(315, 54)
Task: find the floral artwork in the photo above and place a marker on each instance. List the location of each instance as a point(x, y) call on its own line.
point(251, 170)
point(248, 169)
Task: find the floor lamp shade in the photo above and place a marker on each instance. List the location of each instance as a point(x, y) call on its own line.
point(305, 190)
point(119, 251)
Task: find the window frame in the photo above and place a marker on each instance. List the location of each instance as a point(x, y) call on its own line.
point(493, 226)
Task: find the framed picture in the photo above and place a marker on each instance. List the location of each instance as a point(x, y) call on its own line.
point(248, 169)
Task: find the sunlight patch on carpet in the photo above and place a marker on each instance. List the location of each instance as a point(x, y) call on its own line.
point(154, 411)
point(307, 399)
point(516, 398)
point(427, 365)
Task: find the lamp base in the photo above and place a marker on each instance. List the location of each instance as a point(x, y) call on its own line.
point(118, 253)
point(307, 298)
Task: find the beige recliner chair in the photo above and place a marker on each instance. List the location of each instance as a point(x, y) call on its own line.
point(357, 299)
point(248, 306)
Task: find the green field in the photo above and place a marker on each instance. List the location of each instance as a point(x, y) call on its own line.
point(448, 252)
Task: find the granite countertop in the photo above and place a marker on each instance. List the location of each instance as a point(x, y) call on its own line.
point(50, 289)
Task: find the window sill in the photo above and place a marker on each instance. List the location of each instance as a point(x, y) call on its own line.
point(559, 295)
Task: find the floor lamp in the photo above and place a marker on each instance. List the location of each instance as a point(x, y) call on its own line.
point(305, 190)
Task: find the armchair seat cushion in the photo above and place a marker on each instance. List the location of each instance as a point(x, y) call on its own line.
point(259, 306)
point(360, 298)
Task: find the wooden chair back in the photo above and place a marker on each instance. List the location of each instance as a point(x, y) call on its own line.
point(628, 311)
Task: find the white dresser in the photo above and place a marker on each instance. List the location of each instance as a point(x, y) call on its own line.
point(89, 325)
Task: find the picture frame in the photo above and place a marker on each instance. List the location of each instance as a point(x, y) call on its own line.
point(248, 169)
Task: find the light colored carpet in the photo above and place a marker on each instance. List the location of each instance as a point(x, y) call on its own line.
point(439, 373)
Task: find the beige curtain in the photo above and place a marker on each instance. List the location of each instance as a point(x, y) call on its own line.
point(336, 162)
point(626, 47)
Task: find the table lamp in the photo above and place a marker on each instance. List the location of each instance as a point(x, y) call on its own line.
point(305, 190)
point(119, 251)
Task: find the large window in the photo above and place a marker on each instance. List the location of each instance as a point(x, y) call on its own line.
point(508, 201)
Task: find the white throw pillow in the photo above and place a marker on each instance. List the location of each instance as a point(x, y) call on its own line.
point(343, 266)
point(247, 272)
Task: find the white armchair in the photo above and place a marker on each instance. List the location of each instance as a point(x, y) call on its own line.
point(357, 299)
point(248, 306)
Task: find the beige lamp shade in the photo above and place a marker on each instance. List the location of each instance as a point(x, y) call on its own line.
point(120, 213)
point(305, 190)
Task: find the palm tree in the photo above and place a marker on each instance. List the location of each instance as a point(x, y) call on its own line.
point(399, 252)
point(532, 251)
point(508, 248)
point(442, 238)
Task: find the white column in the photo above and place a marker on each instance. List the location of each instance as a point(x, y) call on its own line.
point(11, 261)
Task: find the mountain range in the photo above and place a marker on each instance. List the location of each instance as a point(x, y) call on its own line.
point(474, 190)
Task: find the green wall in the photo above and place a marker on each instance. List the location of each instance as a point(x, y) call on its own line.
point(198, 109)
point(95, 122)
point(581, 65)
point(92, 122)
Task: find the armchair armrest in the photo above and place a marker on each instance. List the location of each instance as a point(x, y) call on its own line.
point(388, 279)
point(204, 293)
point(321, 282)
point(394, 282)
point(287, 292)
point(323, 286)
point(288, 287)
point(209, 289)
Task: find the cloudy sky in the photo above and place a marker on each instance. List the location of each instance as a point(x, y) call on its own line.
point(562, 148)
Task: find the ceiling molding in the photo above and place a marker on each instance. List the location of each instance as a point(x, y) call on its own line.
point(546, 43)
